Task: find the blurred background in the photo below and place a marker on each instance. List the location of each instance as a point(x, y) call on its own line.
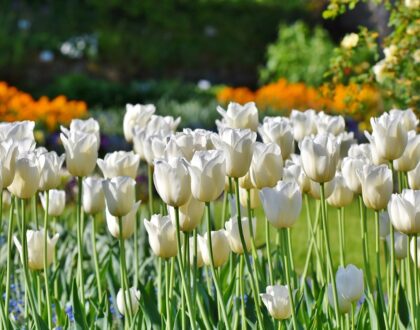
point(68, 59)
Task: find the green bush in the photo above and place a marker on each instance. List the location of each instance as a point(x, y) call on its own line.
point(299, 54)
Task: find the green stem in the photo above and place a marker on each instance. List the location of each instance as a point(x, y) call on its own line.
point(411, 289)
point(286, 256)
point(241, 289)
point(79, 240)
point(159, 285)
point(378, 263)
point(213, 269)
point(150, 187)
point(340, 236)
point(247, 262)
point(268, 245)
point(136, 248)
point(416, 279)
point(167, 302)
point(9, 255)
point(328, 250)
point(392, 273)
point(365, 244)
point(47, 286)
point(181, 269)
point(95, 259)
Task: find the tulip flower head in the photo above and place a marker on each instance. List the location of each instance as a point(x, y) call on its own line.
point(278, 130)
point(238, 146)
point(134, 295)
point(27, 176)
point(254, 198)
point(329, 124)
point(50, 165)
point(88, 126)
point(232, 232)
point(413, 253)
point(240, 116)
point(315, 189)
point(119, 195)
point(414, 177)
point(219, 245)
point(282, 204)
point(320, 155)
point(200, 262)
point(411, 155)
point(180, 145)
point(190, 214)
point(266, 165)
point(407, 117)
point(172, 181)
point(119, 163)
point(93, 198)
point(8, 154)
point(349, 168)
point(303, 123)
point(162, 236)
point(128, 223)
point(277, 301)
point(35, 239)
point(56, 202)
point(404, 211)
point(136, 115)
point(400, 244)
point(341, 195)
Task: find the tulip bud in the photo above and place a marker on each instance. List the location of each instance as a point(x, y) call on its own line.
point(411, 155)
point(266, 165)
point(400, 244)
point(278, 130)
point(407, 117)
point(17, 131)
point(412, 251)
point(56, 202)
point(282, 204)
point(384, 224)
point(293, 171)
point(8, 153)
point(81, 152)
point(93, 199)
point(128, 222)
point(208, 171)
point(404, 211)
point(388, 138)
point(36, 251)
point(303, 123)
point(136, 115)
point(329, 124)
point(232, 232)
point(315, 189)
point(277, 301)
point(190, 214)
point(50, 165)
point(27, 176)
point(134, 295)
point(180, 145)
point(414, 177)
point(254, 198)
point(119, 163)
point(219, 246)
point(238, 146)
point(162, 236)
point(376, 185)
point(119, 195)
point(344, 306)
point(320, 156)
point(349, 168)
point(240, 116)
point(200, 262)
point(87, 126)
point(172, 181)
point(341, 195)
point(345, 140)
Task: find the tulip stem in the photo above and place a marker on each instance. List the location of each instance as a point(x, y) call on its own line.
point(411, 285)
point(79, 240)
point(181, 269)
point(95, 259)
point(241, 289)
point(167, 304)
point(213, 269)
point(378, 264)
point(416, 280)
point(9, 255)
point(365, 243)
point(47, 286)
point(267, 240)
point(340, 214)
point(123, 272)
point(247, 262)
point(328, 249)
point(136, 247)
point(194, 272)
point(392, 272)
point(150, 187)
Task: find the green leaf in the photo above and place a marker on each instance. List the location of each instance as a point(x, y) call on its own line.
point(78, 309)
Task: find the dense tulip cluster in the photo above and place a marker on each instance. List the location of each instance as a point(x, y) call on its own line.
point(219, 237)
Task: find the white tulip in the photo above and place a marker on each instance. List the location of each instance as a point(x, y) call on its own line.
point(88, 126)
point(219, 246)
point(162, 125)
point(407, 117)
point(93, 198)
point(149, 145)
point(134, 295)
point(200, 262)
point(7, 198)
point(8, 153)
point(315, 189)
point(349, 168)
point(201, 138)
point(341, 195)
point(282, 204)
point(180, 145)
point(346, 140)
point(412, 251)
point(319, 157)
point(266, 165)
point(136, 115)
point(329, 124)
point(50, 165)
point(303, 123)
point(238, 146)
point(384, 223)
point(119, 163)
point(254, 198)
point(400, 244)
point(349, 282)
point(278, 130)
point(344, 305)
point(277, 301)
point(27, 176)
point(240, 116)
point(414, 177)
point(376, 185)
point(388, 138)
point(119, 195)
point(162, 236)
point(208, 171)
point(172, 181)
point(56, 202)
point(36, 248)
point(190, 214)
point(17, 131)
point(404, 211)
point(81, 152)
point(244, 182)
point(411, 155)
point(128, 223)
point(232, 232)
point(293, 171)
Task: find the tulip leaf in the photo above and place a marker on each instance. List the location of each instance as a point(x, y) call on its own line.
point(372, 314)
point(149, 304)
point(78, 309)
point(403, 311)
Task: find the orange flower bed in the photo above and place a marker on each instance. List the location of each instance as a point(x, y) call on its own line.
point(359, 102)
point(16, 105)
